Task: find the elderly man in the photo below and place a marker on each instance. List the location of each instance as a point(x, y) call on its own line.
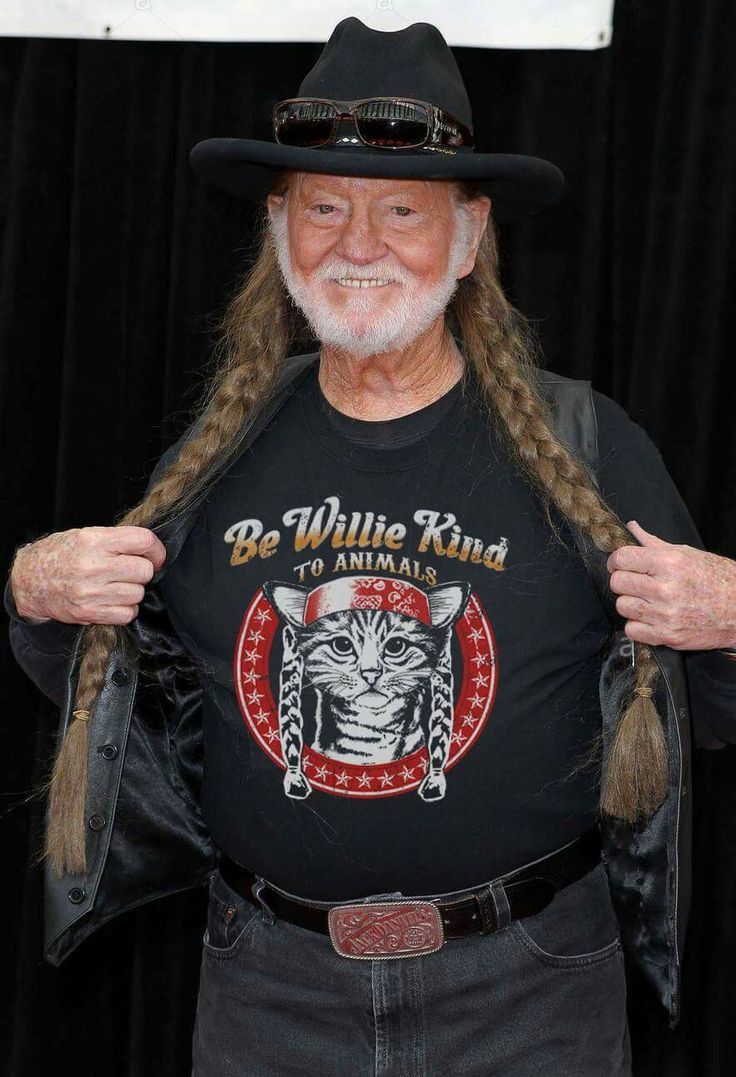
point(397, 647)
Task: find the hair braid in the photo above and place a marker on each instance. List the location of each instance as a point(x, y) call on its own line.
point(501, 347)
point(255, 335)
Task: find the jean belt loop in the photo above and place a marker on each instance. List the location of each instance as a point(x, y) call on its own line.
point(256, 889)
point(501, 904)
point(487, 909)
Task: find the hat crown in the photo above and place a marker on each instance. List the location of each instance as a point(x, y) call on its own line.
point(358, 62)
point(416, 62)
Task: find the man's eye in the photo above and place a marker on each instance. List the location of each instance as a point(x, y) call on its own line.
point(324, 205)
point(408, 210)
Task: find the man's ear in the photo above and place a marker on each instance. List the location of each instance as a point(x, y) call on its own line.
point(274, 202)
point(480, 207)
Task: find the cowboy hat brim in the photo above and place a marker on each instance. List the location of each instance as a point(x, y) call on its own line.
point(517, 184)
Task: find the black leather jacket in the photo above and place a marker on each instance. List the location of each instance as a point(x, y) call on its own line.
point(146, 835)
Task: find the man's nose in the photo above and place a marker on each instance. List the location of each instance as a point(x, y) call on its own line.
point(360, 242)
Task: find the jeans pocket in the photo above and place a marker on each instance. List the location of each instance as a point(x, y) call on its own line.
point(578, 927)
point(231, 918)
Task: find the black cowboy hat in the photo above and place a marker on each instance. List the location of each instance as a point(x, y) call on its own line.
point(358, 62)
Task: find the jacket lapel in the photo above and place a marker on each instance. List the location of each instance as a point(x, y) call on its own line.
point(648, 864)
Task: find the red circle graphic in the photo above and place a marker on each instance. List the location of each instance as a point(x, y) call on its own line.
point(259, 709)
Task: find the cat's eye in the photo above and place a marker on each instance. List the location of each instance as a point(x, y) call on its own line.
point(394, 647)
point(342, 645)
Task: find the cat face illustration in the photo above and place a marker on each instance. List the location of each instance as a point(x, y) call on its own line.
point(375, 651)
point(373, 654)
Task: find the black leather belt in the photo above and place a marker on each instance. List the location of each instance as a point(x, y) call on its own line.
point(411, 925)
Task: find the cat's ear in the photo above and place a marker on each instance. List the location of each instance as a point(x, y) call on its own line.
point(288, 600)
point(447, 602)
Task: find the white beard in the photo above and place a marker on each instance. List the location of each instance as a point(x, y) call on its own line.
point(366, 324)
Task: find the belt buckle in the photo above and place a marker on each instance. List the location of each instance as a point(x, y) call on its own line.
point(385, 929)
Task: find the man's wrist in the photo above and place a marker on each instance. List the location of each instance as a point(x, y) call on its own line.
point(11, 602)
point(12, 609)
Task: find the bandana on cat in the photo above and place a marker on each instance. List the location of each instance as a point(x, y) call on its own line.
point(367, 593)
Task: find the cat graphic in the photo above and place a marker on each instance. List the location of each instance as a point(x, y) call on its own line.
point(381, 677)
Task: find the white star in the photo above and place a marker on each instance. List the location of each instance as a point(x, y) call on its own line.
point(459, 738)
point(254, 697)
point(250, 656)
point(365, 780)
point(469, 719)
point(342, 778)
point(476, 700)
point(481, 680)
point(272, 735)
point(321, 772)
point(407, 774)
point(256, 637)
point(386, 779)
point(261, 717)
point(263, 615)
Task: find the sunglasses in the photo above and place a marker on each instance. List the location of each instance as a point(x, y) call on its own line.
point(385, 123)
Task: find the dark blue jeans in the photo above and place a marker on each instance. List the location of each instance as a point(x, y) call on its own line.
point(543, 994)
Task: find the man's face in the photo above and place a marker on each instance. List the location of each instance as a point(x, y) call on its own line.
point(372, 262)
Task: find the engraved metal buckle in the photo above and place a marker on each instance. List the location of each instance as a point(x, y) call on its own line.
point(386, 929)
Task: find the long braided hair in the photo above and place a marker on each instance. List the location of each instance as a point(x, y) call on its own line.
point(254, 336)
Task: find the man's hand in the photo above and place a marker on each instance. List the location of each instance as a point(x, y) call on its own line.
point(674, 595)
point(87, 575)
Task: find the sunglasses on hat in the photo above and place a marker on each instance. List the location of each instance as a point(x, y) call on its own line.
point(385, 123)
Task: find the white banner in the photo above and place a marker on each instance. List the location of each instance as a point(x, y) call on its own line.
point(503, 24)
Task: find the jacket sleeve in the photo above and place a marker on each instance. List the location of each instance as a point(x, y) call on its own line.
point(44, 651)
point(637, 485)
point(41, 650)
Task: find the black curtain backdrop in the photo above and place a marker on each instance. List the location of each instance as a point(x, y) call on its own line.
point(114, 257)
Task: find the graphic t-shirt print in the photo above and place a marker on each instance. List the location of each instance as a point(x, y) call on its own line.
point(366, 702)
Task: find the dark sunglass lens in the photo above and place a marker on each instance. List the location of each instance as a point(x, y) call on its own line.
point(304, 124)
point(392, 123)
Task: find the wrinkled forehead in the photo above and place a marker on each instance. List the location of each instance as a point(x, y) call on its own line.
point(304, 185)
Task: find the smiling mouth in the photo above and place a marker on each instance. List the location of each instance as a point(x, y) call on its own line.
point(356, 282)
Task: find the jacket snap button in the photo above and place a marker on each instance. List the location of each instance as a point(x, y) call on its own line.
point(108, 751)
point(76, 894)
point(119, 677)
point(97, 822)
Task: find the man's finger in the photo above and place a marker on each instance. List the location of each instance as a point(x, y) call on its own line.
point(129, 538)
point(645, 537)
point(635, 559)
point(638, 584)
point(642, 633)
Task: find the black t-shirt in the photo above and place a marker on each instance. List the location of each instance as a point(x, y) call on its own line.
point(400, 661)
